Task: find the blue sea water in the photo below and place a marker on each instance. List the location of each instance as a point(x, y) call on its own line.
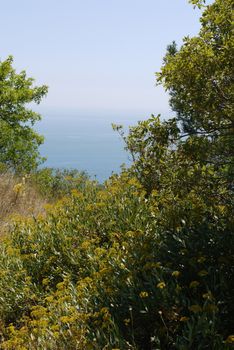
point(84, 142)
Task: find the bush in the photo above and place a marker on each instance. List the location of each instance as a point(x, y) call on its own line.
point(55, 183)
point(102, 270)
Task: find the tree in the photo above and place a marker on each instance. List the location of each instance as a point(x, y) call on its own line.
point(199, 78)
point(18, 141)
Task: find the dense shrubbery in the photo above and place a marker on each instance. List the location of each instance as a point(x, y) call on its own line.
point(146, 260)
point(55, 183)
point(102, 270)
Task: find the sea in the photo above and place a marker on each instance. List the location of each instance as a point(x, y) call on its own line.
point(85, 141)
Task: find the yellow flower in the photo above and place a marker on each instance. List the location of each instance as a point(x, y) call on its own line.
point(55, 327)
point(154, 193)
point(202, 273)
point(194, 284)
point(65, 319)
point(195, 308)
point(85, 245)
point(23, 330)
point(104, 310)
point(178, 288)
point(161, 285)
point(230, 339)
point(77, 194)
point(43, 323)
point(60, 285)
point(38, 311)
point(56, 334)
point(176, 273)
point(49, 299)
point(184, 319)
point(157, 265)
point(127, 321)
point(143, 294)
point(11, 328)
point(134, 182)
point(18, 188)
point(207, 295)
point(45, 281)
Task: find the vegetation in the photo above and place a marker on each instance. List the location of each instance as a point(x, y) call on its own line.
point(17, 197)
point(18, 141)
point(27, 195)
point(146, 260)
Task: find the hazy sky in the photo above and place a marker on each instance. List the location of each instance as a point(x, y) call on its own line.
point(95, 55)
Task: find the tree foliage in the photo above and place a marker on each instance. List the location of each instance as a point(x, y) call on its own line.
point(199, 78)
point(18, 141)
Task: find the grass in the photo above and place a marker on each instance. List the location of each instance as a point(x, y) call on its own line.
point(18, 197)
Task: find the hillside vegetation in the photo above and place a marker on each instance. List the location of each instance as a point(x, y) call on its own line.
point(146, 260)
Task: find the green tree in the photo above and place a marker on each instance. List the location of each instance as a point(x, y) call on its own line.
point(18, 141)
point(199, 78)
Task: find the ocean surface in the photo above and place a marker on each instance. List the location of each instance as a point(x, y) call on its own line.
point(84, 142)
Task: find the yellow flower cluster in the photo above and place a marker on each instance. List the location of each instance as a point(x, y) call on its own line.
point(161, 285)
point(143, 295)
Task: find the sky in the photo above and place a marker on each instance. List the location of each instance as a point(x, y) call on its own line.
point(96, 56)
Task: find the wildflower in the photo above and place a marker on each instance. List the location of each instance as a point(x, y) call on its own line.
point(230, 339)
point(154, 193)
point(85, 245)
point(157, 265)
point(56, 334)
point(11, 328)
point(24, 330)
point(176, 273)
point(133, 181)
point(178, 288)
point(207, 295)
point(161, 285)
point(49, 299)
point(38, 311)
point(104, 310)
point(43, 323)
point(194, 284)
point(18, 188)
point(60, 285)
point(65, 319)
point(126, 321)
point(87, 280)
point(55, 327)
point(195, 308)
point(45, 281)
point(75, 193)
point(143, 294)
point(184, 319)
point(202, 273)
